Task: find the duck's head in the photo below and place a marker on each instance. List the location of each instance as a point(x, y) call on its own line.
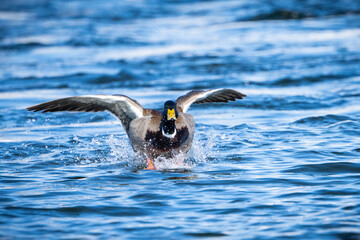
point(169, 116)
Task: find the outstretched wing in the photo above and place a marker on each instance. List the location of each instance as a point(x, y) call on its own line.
point(209, 96)
point(123, 107)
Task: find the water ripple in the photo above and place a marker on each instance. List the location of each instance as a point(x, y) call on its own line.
point(280, 164)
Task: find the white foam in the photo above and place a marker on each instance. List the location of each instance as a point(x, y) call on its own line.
point(120, 151)
point(178, 163)
point(140, 52)
point(14, 16)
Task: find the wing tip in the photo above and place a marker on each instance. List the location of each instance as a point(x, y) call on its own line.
point(242, 95)
point(33, 109)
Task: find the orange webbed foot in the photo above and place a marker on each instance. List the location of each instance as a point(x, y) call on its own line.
point(150, 165)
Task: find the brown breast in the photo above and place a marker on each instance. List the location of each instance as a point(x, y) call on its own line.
point(159, 142)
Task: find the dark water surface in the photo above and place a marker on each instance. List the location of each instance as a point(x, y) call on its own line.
point(284, 163)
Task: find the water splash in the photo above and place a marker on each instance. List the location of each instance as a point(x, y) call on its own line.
point(204, 147)
point(112, 150)
point(177, 163)
point(102, 151)
point(120, 148)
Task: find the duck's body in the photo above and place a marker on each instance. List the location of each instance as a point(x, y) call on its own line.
point(151, 133)
point(146, 136)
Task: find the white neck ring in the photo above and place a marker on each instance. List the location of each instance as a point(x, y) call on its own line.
point(168, 135)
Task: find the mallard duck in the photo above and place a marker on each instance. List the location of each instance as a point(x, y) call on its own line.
point(151, 133)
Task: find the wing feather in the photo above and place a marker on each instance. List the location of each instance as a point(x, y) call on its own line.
point(123, 107)
point(208, 96)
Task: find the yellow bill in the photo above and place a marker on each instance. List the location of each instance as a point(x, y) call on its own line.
point(171, 114)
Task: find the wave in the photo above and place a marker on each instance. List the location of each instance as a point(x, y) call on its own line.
point(326, 120)
point(282, 14)
point(22, 46)
point(328, 168)
point(81, 209)
point(122, 76)
point(306, 80)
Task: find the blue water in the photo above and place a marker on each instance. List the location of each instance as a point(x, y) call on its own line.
point(284, 163)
